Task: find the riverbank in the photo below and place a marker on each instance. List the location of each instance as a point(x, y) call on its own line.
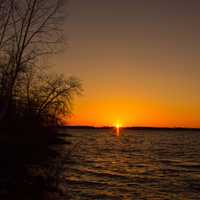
point(30, 167)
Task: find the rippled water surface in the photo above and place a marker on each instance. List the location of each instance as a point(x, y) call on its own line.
point(152, 165)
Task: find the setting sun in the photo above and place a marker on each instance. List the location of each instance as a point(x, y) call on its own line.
point(118, 126)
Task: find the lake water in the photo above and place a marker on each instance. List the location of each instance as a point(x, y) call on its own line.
point(136, 164)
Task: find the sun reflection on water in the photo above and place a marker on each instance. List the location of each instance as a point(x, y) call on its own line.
point(117, 130)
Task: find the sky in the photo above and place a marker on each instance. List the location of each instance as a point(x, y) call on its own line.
point(138, 61)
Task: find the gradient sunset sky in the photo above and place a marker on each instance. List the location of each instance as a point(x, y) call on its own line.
point(139, 62)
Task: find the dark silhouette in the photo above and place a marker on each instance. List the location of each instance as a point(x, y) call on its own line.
point(32, 101)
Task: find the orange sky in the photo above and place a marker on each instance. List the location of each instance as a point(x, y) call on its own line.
point(139, 62)
point(134, 113)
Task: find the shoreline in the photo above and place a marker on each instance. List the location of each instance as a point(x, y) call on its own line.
point(135, 128)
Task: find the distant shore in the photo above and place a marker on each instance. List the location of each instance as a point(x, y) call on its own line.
point(135, 128)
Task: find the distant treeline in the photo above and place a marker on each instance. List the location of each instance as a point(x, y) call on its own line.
point(136, 128)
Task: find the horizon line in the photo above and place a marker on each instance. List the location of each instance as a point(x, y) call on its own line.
point(133, 127)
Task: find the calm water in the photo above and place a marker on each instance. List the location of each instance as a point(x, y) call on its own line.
point(153, 165)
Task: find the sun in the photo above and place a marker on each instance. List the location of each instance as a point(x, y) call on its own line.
point(118, 126)
point(118, 129)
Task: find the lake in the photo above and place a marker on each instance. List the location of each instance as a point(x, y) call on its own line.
point(134, 164)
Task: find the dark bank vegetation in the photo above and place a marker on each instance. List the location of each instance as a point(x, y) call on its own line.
point(33, 102)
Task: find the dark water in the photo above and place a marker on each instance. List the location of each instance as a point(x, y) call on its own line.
point(153, 165)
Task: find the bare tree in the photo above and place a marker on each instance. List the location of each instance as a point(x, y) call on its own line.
point(29, 29)
point(51, 99)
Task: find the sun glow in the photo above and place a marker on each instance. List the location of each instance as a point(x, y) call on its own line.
point(117, 126)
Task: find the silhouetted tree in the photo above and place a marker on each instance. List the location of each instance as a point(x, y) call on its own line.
point(30, 29)
point(50, 99)
point(31, 99)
